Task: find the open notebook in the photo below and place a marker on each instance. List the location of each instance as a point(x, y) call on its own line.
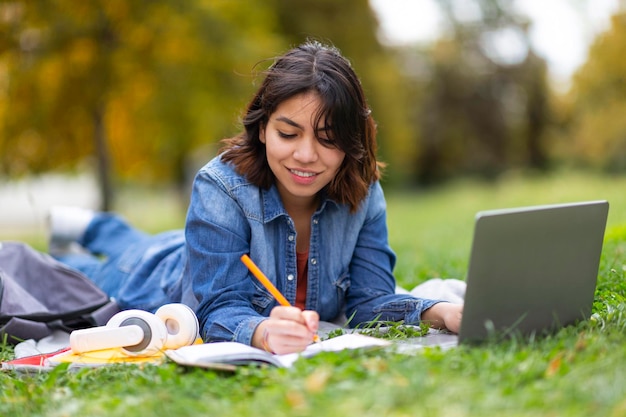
point(228, 355)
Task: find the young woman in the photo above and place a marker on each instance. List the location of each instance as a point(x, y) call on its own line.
point(298, 190)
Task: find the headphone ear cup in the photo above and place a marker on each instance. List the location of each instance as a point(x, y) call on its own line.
point(155, 333)
point(181, 324)
point(110, 336)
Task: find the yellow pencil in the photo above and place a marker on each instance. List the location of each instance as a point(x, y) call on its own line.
point(268, 284)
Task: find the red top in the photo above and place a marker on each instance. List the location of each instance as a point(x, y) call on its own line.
point(303, 272)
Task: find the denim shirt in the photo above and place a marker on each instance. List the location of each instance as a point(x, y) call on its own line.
point(349, 267)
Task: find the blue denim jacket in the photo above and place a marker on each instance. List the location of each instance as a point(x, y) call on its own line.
point(350, 261)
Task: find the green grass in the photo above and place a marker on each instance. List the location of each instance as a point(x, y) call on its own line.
point(579, 371)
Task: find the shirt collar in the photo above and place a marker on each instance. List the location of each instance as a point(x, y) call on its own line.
point(273, 206)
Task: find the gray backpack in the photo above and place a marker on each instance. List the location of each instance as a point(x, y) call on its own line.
point(39, 294)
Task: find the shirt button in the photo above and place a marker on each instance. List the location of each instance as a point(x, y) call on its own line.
point(313, 261)
point(290, 277)
point(315, 221)
point(290, 238)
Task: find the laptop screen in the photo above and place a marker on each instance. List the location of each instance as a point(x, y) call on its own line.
point(532, 269)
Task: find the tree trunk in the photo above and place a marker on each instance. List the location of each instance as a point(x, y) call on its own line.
point(102, 155)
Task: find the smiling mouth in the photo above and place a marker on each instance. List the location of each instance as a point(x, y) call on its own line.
point(302, 173)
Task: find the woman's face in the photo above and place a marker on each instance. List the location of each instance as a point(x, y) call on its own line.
point(301, 163)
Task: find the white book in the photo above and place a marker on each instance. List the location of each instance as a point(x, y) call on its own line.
point(228, 355)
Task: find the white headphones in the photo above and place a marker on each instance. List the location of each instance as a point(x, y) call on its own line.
point(138, 332)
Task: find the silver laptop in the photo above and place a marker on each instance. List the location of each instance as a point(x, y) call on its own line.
point(531, 270)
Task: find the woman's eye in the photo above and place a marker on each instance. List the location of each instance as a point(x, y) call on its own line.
point(286, 135)
point(327, 142)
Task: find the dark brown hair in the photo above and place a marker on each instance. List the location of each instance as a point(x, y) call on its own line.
point(313, 67)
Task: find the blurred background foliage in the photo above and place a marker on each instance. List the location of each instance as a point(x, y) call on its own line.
point(142, 91)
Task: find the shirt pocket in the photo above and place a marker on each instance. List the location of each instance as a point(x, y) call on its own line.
point(342, 284)
point(261, 300)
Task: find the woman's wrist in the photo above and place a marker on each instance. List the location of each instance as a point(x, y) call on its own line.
point(434, 317)
point(259, 338)
point(444, 315)
point(265, 341)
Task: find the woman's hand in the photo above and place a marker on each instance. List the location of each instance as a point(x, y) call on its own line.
point(287, 330)
point(444, 316)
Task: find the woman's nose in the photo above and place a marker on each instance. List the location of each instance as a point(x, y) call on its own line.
point(306, 149)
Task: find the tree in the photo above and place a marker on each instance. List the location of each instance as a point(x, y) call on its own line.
point(596, 131)
point(139, 84)
point(483, 109)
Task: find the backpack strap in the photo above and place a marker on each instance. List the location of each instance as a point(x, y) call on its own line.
point(17, 330)
point(101, 316)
